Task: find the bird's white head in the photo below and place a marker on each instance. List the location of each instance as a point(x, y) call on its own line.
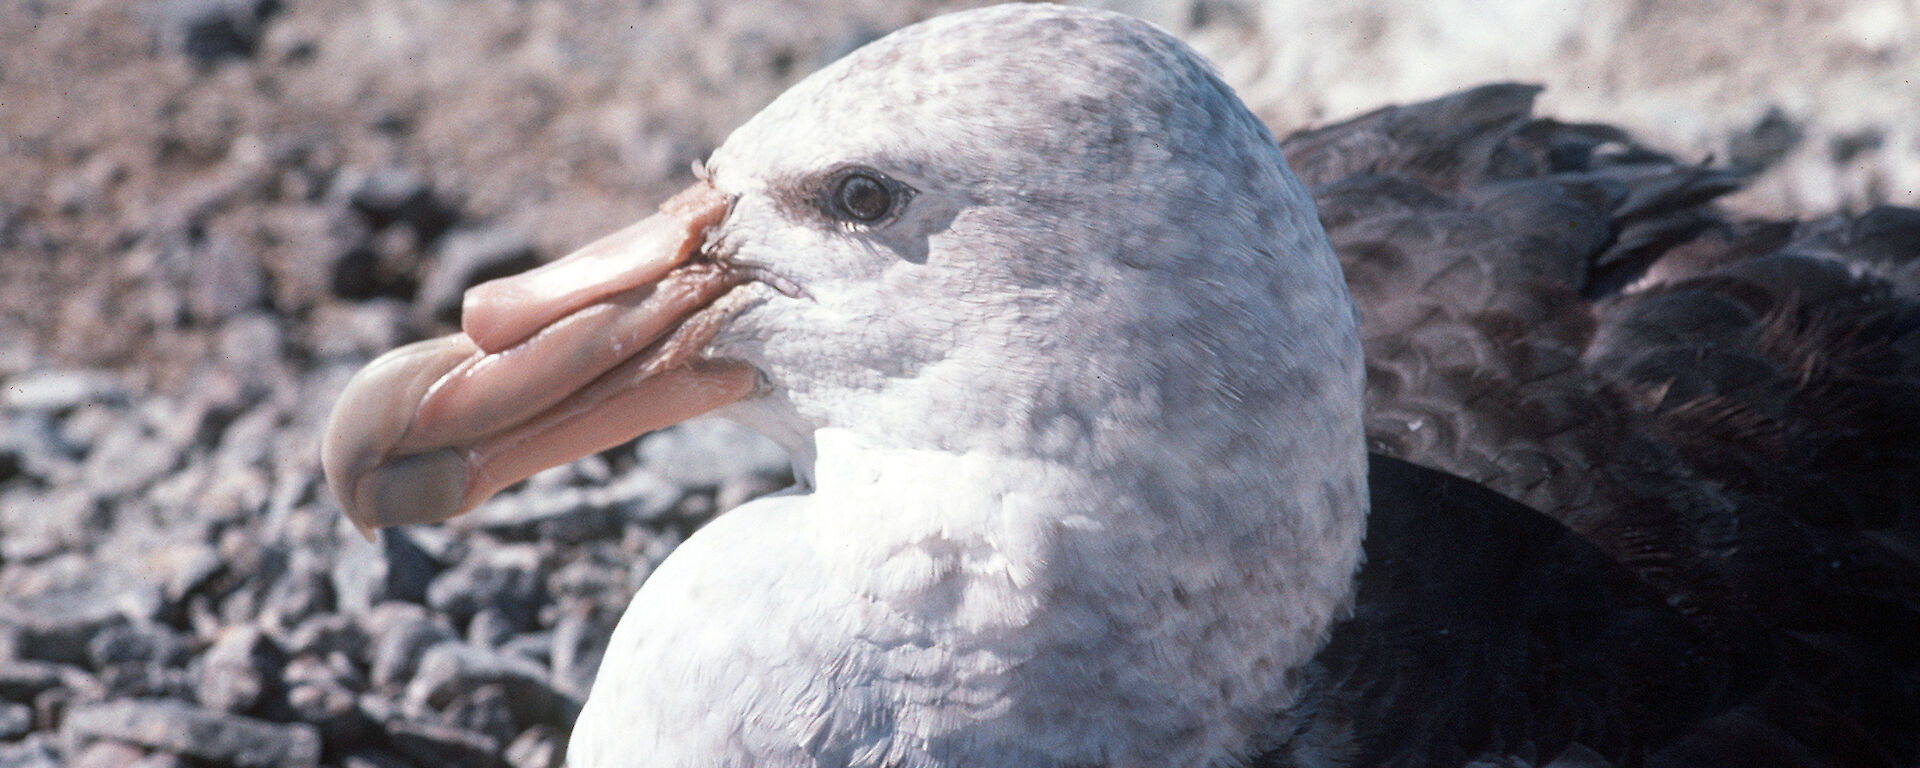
point(1029, 282)
point(993, 218)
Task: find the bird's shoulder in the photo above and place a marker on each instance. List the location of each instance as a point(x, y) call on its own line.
point(1727, 410)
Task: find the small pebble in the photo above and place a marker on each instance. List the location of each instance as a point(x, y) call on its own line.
point(106, 754)
point(327, 634)
point(469, 257)
point(433, 744)
point(218, 737)
point(242, 671)
point(453, 670)
point(398, 648)
point(374, 758)
point(16, 720)
point(487, 710)
point(35, 751)
point(537, 747)
point(504, 578)
point(162, 760)
point(22, 681)
point(143, 643)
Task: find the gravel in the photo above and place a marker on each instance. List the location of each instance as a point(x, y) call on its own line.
point(212, 212)
point(180, 590)
point(189, 731)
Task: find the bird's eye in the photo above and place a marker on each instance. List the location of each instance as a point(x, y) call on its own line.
point(862, 197)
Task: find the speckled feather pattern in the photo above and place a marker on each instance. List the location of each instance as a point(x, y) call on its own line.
point(1079, 432)
point(1038, 413)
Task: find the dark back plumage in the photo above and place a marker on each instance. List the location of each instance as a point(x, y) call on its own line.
point(1725, 414)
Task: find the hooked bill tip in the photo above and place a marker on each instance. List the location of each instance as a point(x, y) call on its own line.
point(405, 490)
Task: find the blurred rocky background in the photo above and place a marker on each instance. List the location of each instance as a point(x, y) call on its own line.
point(213, 211)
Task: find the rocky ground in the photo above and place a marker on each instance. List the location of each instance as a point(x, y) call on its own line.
point(213, 211)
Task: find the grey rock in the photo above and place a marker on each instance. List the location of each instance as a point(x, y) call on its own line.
point(454, 670)
point(218, 388)
point(536, 647)
point(410, 568)
point(240, 548)
point(740, 490)
point(1766, 142)
point(319, 692)
point(17, 354)
point(212, 30)
point(332, 671)
point(38, 524)
point(51, 706)
point(125, 460)
point(217, 737)
point(137, 643)
point(146, 681)
point(290, 515)
point(330, 634)
point(398, 648)
point(21, 681)
point(61, 390)
point(390, 196)
point(86, 424)
point(298, 594)
point(598, 575)
point(573, 514)
point(588, 470)
point(381, 266)
point(380, 707)
point(468, 257)
point(490, 628)
point(362, 330)
point(311, 238)
point(16, 720)
point(248, 440)
point(241, 672)
point(32, 752)
point(224, 280)
point(387, 615)
point(441, 543)
point(708, 452)
point(384, 195)
point(487, 710)
point(537, 747)
point(395, 569)
point(327, 697)
point(432, 744)
point(697, 505)
point(186, 567)
point(241, 605)
point(106, 754)
point(252, 344)
point(579, 643)
point(504, 578)
point(33, 444)
point(161, 760)
point(177, 495)
point(373, 758)
point(13, 461)
point(251, 568)
point(59, 611)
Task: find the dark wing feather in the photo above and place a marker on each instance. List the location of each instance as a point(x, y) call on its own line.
point(1483, 628)
point(1729, 411)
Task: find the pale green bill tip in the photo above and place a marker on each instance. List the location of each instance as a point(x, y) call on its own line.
point(421, 488)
